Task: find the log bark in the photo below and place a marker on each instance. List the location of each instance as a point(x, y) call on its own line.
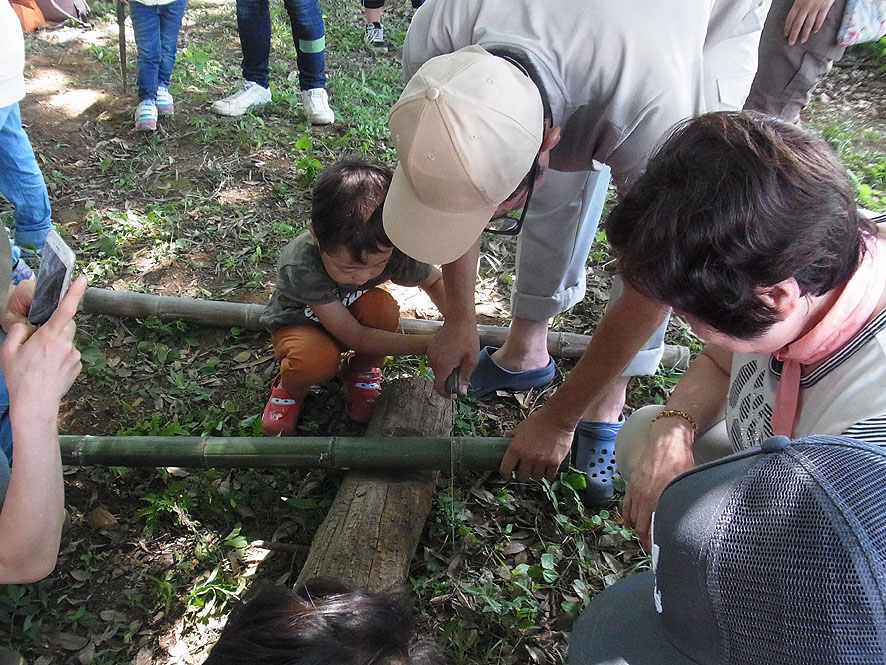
point(223, 314)
point(371, 531)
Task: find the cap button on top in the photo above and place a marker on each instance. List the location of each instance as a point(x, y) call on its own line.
point(775, 443)
point(432, 93)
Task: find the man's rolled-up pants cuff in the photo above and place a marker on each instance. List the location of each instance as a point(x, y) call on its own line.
point(542, 308)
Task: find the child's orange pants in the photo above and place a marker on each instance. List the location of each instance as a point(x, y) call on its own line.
point(308, 354)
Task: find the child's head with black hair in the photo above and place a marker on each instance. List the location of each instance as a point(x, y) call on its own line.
point(346, 208)
point(321, 622)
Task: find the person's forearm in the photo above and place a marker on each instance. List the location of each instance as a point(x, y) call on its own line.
point(32, 514)
point(459, 284)
point(376, 342)
point(436, 291)
point(701, 391)
point(630, 321)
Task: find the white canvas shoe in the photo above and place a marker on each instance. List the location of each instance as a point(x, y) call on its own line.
point(315, 104)
point(250, 96)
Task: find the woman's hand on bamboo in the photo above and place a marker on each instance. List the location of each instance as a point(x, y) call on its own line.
point(667, 454)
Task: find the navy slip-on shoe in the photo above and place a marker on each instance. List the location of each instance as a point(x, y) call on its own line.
point(489, 377)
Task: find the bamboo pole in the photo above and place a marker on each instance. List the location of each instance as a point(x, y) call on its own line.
point(383, 453)
point(228, 314)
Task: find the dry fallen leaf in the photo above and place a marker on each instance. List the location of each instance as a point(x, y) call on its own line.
point(69, 641)
point(99, 518)
point(86, 654)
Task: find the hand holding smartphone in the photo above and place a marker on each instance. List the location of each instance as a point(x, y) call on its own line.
point(53, 278)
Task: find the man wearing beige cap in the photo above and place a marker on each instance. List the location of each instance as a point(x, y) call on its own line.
point(506, 96)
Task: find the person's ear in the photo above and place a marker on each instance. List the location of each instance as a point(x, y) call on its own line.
point(550, 138)
point(785, 296)
point(311, 229)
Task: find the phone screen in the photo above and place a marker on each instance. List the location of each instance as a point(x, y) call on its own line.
point(53, 281)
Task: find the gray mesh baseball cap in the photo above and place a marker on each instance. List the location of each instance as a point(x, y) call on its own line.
point(771, 556)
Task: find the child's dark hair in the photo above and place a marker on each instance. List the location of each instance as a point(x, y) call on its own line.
point(322, 622)
point(733, 203)
point(347, 205)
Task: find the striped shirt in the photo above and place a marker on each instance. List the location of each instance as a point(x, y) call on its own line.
point(845, 395)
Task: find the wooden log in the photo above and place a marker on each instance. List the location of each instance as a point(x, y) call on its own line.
point(223, 314)
point(371, 531)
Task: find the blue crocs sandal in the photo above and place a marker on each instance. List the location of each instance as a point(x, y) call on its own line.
point(594, 446)
point(489, 377)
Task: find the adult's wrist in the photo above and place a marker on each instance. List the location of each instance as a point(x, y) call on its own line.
point(678, 413)
point(559, 417)
point(33, 413)
point(671, 431)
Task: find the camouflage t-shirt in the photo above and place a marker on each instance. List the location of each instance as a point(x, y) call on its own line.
point(302, 279)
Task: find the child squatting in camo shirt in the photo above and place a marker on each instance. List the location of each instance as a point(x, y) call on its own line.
point(327, 299)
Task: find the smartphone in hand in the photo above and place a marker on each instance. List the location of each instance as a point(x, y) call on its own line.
point(53, 278)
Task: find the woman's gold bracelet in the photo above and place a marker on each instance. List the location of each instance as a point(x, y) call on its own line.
point(668, 413)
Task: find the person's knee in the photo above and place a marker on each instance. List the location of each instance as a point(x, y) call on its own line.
point(631, 440)
point(377, 309)
point(148, 56)
point(307, 365)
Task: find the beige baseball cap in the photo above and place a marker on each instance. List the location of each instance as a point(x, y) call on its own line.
point(467, 129)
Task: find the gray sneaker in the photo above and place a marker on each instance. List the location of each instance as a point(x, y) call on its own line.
point(250, 96)
point(375, 38)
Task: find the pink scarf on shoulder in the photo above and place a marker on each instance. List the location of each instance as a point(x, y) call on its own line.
point(850, 313)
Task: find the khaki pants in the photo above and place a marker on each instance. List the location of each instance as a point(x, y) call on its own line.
point(788, 74)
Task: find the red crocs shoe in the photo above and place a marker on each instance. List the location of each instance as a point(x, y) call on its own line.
point(281, 412)
point(362, 389)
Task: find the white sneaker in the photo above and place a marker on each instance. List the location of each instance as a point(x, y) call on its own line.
point(146, 116)
point(165, 105)
point(250, 96)
point(315, 104)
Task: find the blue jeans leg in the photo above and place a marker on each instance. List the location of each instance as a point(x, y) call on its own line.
point(254, 26)
point(22, 182)
point(5, 439)
point(146, 25)
point(310, 42)
point(171, 16)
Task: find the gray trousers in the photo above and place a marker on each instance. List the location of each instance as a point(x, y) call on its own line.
point(787, 74)
point(553, 249)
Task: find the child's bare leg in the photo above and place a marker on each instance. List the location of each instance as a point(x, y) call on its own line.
point(373, 14)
